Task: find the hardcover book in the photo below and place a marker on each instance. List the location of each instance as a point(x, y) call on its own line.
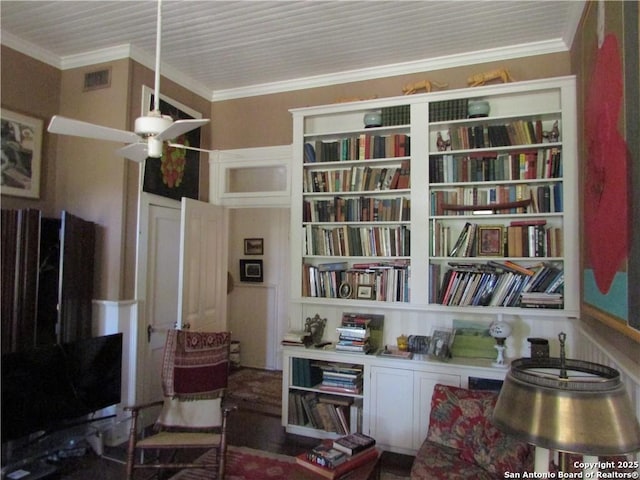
point(354, 443)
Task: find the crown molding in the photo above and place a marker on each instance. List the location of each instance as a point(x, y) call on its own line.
point(27, 48)
point(426, 65)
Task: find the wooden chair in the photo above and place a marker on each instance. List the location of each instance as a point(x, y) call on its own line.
point(194, 378)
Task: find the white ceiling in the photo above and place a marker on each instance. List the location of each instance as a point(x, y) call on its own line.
point(226, 49)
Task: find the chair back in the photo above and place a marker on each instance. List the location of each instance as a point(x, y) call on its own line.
point(195, 372)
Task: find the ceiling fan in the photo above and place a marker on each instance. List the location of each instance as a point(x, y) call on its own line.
point(150, 131)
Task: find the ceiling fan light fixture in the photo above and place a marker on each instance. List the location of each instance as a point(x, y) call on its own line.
point(152, 124)
point(154, 147)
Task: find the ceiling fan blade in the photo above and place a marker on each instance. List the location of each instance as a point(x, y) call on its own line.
point(179, 127)
point(68, 126)
point(178, 145)
point(137, 152)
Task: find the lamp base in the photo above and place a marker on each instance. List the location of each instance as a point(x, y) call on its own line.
point(500, 361)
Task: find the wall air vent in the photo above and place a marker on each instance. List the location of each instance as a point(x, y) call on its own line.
point(97, 79)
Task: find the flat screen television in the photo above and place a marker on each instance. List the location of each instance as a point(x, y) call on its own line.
point(44, 389)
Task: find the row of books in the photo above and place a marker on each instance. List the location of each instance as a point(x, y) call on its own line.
point(368, 241)
point(546, 198)
point(490, 167)
point(396, 115)
point(305, 373)
point(388, 282)
point(448, 110)
point(499, 284)
point(360, 147)
point(519, 132)
point(331, 460)
point(357, 179)
point(327, 412)
point(522, 238)
point(357, 209)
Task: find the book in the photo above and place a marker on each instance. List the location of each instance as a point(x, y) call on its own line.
point(326, 456)
point(354, 443)
point(342, 469)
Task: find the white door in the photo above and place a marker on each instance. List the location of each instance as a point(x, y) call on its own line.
point(203, 272)
point(161, 292)
point(166, 273)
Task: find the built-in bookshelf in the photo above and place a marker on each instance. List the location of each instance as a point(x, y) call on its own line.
point(356, 210)
point(324, 398)
point(434, 210)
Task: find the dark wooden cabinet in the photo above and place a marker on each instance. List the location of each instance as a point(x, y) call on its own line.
point(47, 279)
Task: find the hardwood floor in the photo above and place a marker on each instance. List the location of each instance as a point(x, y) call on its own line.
point(245, 428)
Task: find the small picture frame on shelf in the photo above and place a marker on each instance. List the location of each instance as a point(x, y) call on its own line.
point(440, 344)
point(364, 292)
point(253, 246)
point(251, 271)
point(345, 290)
point(491, 241)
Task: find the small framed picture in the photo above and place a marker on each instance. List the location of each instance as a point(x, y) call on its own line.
point(440, 344)
point(345, 290)
point(491, 241)
point(364, 292)
point(253, 246)
point(251, 271)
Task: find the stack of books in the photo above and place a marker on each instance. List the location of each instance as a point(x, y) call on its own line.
point(354, 334)
point(332, 462)
point(296, 339)
point(341, 378)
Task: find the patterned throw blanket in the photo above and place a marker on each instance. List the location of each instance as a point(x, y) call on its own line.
point(195, 364)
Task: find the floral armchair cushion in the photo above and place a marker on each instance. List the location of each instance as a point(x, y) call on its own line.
point(461, 419)
point(490, 448)
point(448, 422)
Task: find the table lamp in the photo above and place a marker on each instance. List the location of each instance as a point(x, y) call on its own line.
point(500, 331)
point(568, 405)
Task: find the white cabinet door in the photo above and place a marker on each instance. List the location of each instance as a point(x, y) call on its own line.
point(391, 408)
point(423, 387)
point(400, 403)
point(202, 285)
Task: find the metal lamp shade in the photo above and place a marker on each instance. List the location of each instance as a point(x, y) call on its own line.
point(591, 417)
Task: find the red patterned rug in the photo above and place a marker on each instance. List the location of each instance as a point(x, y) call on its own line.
point(248, 464)
point(256, 390)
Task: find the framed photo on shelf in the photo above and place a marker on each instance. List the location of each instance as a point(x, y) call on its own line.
point(251, 271)
point(253, 246)
point(440, 344)
point(21, 150)
point(491, 241)
point(364, 292)
point(345, 290)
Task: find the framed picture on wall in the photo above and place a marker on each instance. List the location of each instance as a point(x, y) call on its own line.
point(177, 173)
point(253, 246)
point(21, 150)
point(251, 271)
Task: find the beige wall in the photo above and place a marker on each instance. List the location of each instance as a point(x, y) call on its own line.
point(32, 88)
point(89, 175)
point(266, 121)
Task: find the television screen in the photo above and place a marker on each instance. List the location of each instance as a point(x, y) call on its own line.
point(44, 387)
